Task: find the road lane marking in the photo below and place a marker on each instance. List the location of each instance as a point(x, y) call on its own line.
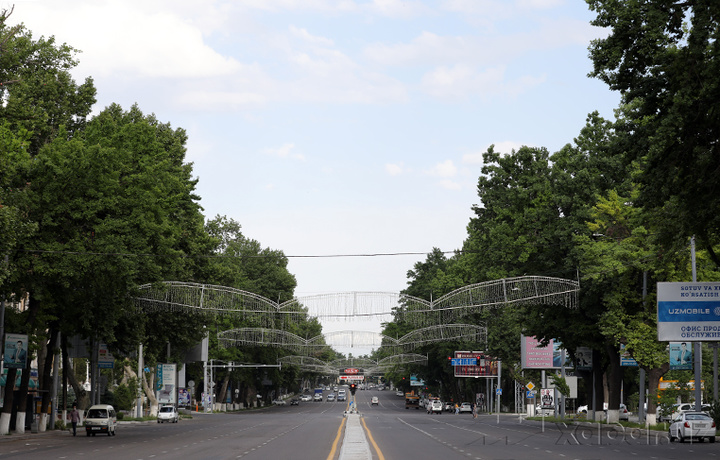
point(331, 456)
point(372, 441)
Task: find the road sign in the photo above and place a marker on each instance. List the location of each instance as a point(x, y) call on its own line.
point(530, 394)
point(498, 391)
point(530, 386)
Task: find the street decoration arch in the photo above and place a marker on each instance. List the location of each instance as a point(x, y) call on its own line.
point(385, 306)
point(351, 339)
point(366, 366)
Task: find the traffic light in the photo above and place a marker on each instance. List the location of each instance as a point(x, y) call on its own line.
point(353, 387)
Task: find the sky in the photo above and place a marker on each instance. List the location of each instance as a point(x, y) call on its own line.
point(349, 128)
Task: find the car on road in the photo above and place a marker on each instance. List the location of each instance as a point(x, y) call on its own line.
point(317, 397)
point(692, 425)
point(168, 414)
point(295, 402)
point(341, 396)
point(435, 407)
point(374, 401)
point(449, 407)
point(466, 407)
point(399, 393)
point(331, 397)
point(305, 398)
point(101, 418)
point(279, 402)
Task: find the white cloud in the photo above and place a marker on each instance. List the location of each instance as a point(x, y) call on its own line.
point(285, 151)
point(130, 41)
point(475, 158)
point(445, 169)
point(394, 169)
point(450, 185)
point(307, 37)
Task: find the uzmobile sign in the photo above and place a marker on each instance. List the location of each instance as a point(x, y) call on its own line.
point(688, 312)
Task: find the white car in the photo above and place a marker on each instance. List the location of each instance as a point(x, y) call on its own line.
point(374, 401)
point(435, 407)
point(317, 397)
point(306, 398)
point(465, 407)
point(279, 402)
point(692, 425)
point(168, 414)
point(399, 393)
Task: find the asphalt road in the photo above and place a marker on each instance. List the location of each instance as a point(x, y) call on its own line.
point(312, 431)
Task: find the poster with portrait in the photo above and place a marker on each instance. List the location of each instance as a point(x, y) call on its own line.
point(681, 356)
point(16, 346)
point(547, 398)
point(583, 358)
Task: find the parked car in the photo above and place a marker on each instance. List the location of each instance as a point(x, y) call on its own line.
point(399, 393)
point(679, 408)
point(374, 401)
point(168, 414)
point(465, 407)
point(435, 407)
point(100, 418)
point(692, 425)
point(449, 407)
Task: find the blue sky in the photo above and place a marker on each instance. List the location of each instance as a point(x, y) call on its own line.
point(340, 127)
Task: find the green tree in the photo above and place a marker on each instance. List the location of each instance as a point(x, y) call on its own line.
point(664, 58)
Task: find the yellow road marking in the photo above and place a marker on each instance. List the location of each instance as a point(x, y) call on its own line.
point(372, 441)
point(337, 439)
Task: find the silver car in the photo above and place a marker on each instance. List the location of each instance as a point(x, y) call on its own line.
point(692, 425)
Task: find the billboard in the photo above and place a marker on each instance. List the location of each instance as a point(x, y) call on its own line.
point(535, 356)
point(583, 359)
point(166, 378)
point(688, 312)
point(105, 359)
point(681, 357)
point(16, 346)
point(490, 369)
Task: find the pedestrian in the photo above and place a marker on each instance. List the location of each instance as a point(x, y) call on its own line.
point(74, 418)
point(474, 410)
point(457, 409)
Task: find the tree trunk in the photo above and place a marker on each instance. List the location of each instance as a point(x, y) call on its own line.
point(33, 308)
point(8, 402)
point(46, 381)
point(148, 389)
point(653, 385)
point(81, 396)
point(222, 396)
point(614, 378)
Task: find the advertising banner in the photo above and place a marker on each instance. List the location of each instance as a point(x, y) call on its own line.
point(416, 382)
point(105, 359)
point(625, 358)
point(547, 398)
point(490, 369)
point(166, 383)
point(688, 312)
point(183, 397)
point(583, 359)
point(535, 356)
point(680, 356)
point(16, 346)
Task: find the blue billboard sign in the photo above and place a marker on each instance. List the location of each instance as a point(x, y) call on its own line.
point(688, 312)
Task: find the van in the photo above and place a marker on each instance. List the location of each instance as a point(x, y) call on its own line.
point(101, 418)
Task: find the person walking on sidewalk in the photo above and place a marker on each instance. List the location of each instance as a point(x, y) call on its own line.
point(74, 418)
